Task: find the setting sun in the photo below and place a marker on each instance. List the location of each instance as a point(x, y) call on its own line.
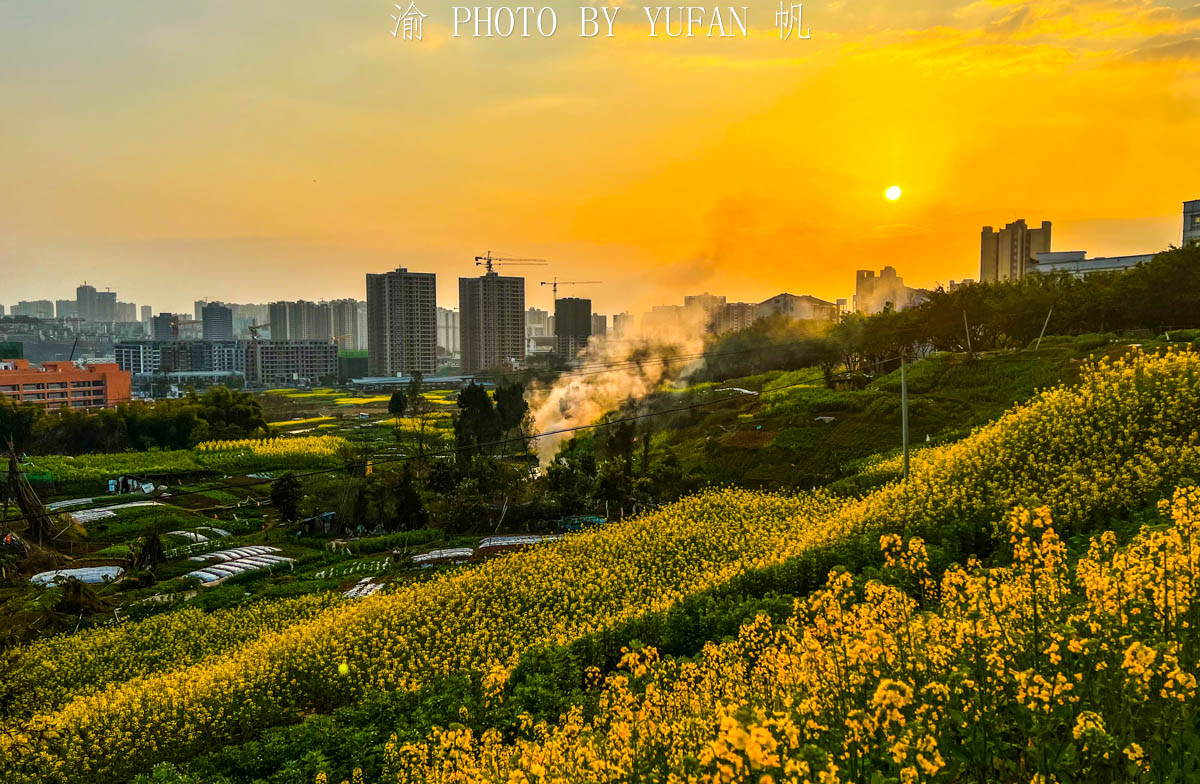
point(892, 193)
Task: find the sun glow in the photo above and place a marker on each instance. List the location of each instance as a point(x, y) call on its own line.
point(892, 193)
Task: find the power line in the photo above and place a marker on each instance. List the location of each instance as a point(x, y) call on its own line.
point(375, 458)
point(602, 367)
point(586, 369)
point(444, 453)
point(629, 362)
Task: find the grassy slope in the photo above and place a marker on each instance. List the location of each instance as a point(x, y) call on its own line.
point(775, 440)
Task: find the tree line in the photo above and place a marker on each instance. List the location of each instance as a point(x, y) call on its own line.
point(1160, 295)
point(217, 413)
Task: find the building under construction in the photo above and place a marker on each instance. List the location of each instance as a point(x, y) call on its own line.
point(492, 321)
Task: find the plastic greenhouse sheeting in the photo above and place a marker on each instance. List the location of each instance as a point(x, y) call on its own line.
point(234, 553)
point(213, 573)
point(87, 574)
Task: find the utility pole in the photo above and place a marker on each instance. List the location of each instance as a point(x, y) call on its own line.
point(1043, 332)
point(967, 329)
point(904, 414)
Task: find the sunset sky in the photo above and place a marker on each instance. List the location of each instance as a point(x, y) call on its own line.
point(253, 150)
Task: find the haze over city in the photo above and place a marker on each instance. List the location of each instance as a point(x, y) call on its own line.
point(247, 152)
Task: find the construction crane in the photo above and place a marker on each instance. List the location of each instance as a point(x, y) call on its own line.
point(554, 283)
point(254, 372)
point(176, 323)
point(490, 261)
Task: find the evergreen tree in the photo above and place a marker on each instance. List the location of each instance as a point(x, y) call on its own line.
point(285, 497)
point(398, 404)
point(477, 424)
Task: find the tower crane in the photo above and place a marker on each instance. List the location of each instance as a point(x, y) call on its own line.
point(257, 356)
point(490, 261)
point(554, 283)
point(176, 323)
point(254, 328)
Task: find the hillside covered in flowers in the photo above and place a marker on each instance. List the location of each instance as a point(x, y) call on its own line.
point(978, 643)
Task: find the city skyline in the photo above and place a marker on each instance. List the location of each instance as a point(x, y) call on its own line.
point(296, 147)
point(532, 284)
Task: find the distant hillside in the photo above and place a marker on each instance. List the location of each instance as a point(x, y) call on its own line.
point(798, 433)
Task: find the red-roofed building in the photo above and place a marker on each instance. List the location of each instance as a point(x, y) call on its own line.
point(55, 384)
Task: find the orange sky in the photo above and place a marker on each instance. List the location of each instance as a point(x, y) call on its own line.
point(270, 150)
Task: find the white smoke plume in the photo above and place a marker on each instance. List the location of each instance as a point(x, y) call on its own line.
point(614, 371)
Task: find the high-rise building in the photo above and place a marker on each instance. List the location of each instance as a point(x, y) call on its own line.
point(306, 321)
point(261, 362)
point(492, 316)
point(144, 357)
point(126, 313)
point(217, 321)
point(1191, 222)
point(344, 314)
point(287, 362)
point(361, 343)
point(449, 330)
point(66, 309)
point(246, 316)
point(160, 327)
point(279, 316)
point(662, 319)
point(537, 323)
point(38, 309)
point(85, 302)
point(599, 324)
point(317, 321)
point(243, 316)
point(874, 293)
point(147, 313)
point(736, 316)
point(106, 307)
point(140, 357)
point(99, 307)
point(402, 323)
point(1005, 254)
point(622, 325)
point(704, 308)
point(301, 320)
point(187, 328)
point(572, 325)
